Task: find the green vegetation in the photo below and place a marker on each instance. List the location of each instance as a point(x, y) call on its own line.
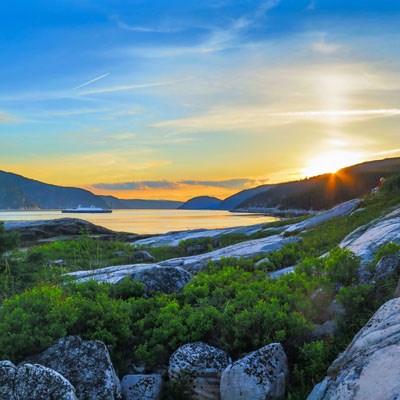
point(232, 305)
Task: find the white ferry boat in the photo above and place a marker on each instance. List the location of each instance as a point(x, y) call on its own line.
point(84, 210)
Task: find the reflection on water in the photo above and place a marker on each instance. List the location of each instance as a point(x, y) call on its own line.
point(149, 221)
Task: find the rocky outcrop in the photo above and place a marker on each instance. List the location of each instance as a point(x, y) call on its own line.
point(142, 387)
point(154, 277)
point(200, 366)
point(174, 238)
point(370, 366)
point(339, 211)
point(33, 382)
point(366, 240)
point(86, 364)
point(244, 249)
point(281, 272)
point(31, 231)
point(260, 375)
point(141, 256)
point(388, 266)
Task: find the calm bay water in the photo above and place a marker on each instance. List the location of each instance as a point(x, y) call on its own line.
point(149, 221)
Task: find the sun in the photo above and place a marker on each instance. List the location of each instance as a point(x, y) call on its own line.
point(330, 162)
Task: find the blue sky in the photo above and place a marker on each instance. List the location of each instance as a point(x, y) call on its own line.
point(175, 98)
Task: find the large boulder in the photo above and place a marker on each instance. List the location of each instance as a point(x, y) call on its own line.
point(260, 375)
point(154, 277)
point(370, 366)
point(33, 382)
point(365, 241)
point(142, 387)
point(200, 366)
point(388, 266)
point(86, 364)
point(141, 256)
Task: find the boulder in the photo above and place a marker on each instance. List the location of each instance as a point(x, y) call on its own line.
point(142, 387)
point(328, 328)
point(30, 231)
point(33, 382)
point(200, 366)
point(141, 256)
point(260, 375)
point(397, 290)
point(55, 263)
point(154, 277)
point(281, 272)
point(196, 249)
point(387, 267)
point(370, 366)
point(119, 253)
point(261, 262)
point(86, 364)
point(365, 241)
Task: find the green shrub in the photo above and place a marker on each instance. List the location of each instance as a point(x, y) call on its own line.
point(126, 289)
point(390, 248)
point(341, 267)
point(391, 185)
point(31, 321)
point(7, 241)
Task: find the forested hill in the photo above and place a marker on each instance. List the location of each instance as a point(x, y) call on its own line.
point(18, 192)
point(324, 191)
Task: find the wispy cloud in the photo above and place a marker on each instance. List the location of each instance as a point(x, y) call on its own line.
point(82, 111)
point(219, 38)
point(166, 28)
point(384, 153)
point(321, 46)
point(238, 184)
point(92, 80)
point(142, 185)
point(228, 184)
point(250, 118)
point(338, 113)
point(129, 87)
point(312, 5)
point(6, 118)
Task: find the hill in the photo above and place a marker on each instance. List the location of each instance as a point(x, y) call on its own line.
point(137, 204)
point(18, 192)
point(233, 201)
point(324, 191)
point(201, 203)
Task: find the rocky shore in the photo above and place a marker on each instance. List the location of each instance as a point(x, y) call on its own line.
point(77, 369)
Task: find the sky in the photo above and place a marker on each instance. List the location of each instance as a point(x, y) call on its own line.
point(180, 98)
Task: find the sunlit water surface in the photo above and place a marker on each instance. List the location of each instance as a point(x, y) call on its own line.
point(149, 221)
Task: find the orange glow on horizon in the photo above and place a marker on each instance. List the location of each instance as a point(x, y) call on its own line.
point(330, 162)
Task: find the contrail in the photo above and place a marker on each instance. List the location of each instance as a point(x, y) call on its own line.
point(91, 81)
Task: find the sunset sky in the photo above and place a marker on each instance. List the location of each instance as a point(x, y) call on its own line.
point(175, 99)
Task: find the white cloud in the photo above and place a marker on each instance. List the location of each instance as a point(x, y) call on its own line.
point(165, 28)
point(6, 118)
point(128, 87)
point(253, 118)
point(92, 80)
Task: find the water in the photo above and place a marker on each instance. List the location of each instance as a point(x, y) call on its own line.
point(149, 221)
